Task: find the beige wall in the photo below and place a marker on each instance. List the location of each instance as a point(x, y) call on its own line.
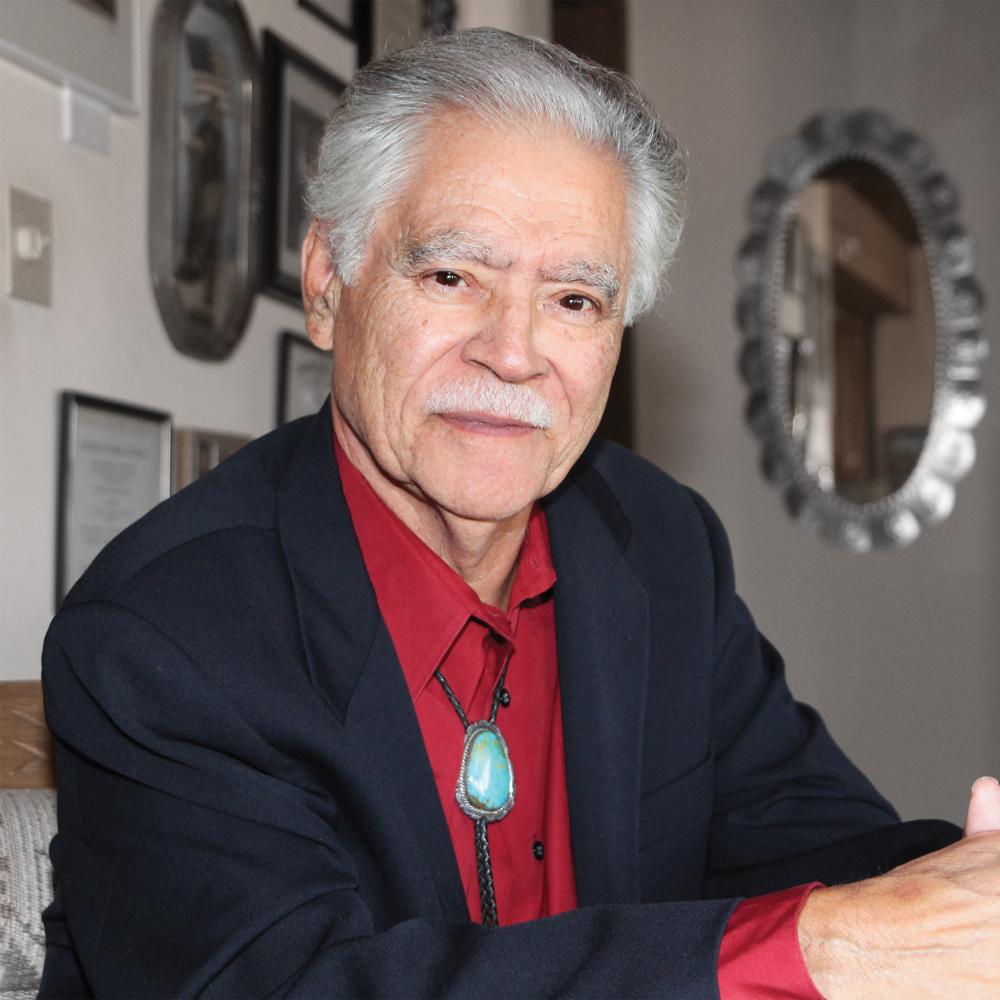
point(900, 650)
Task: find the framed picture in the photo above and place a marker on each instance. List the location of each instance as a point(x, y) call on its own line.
point(383, 26)
point(298, 98)
point(92, 46)
point(199, 451)
point(341, 15)
point(114, 466)
point(304, 374)
point(109, 8)
point(203, 174)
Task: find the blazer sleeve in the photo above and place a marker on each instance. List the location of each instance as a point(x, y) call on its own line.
point(789, 807)
point(184, 870)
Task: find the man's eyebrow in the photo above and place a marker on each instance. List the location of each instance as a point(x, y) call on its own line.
point(464, 244)
point(451, 244)
point(600, 276)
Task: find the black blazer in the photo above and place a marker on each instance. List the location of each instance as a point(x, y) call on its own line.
point(246, 807)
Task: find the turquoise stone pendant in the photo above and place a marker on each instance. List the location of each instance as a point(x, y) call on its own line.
point(486, 779)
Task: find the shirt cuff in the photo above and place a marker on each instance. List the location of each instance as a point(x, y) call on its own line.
point(760, 958)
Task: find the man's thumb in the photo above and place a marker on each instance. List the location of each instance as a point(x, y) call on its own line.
point(984, 807)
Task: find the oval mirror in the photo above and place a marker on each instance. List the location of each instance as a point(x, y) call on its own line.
point(861, 319)
point(204, 183)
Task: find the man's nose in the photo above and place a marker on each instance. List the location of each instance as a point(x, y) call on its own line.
point(507, 342)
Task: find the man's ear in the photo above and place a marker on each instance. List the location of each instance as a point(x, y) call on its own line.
point(320, 286)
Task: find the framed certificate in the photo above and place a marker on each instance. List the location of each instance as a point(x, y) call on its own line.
point(114, 466)
point(92, 46)
point(304, 375)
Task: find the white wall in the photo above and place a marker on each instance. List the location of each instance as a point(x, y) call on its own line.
point(900, 650)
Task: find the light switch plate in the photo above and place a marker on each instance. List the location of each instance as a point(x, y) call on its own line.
point(29, 246)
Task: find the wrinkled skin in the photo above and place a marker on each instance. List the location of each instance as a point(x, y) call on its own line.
point(927, 929)
point(511, 307)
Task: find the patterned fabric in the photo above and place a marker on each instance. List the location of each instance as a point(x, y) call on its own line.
point(27, 824)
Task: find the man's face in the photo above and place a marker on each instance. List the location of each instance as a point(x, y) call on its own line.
point(499, 274)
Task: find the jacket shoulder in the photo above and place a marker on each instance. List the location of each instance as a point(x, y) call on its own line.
point(645, 493)
point(239, 494)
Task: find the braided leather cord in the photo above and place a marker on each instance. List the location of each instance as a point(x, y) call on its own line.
point(487, 893)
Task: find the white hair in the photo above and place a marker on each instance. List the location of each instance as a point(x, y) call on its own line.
point(373, 137)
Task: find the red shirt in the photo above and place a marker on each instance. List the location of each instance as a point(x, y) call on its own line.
point(437, 622)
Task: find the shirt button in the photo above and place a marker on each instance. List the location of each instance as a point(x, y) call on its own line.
point(505, 697)
point(538, 849)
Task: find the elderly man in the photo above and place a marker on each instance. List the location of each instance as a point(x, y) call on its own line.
point(427, 695)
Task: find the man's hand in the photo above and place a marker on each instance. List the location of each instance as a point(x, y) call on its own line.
point(930, 928)
point(984, 807)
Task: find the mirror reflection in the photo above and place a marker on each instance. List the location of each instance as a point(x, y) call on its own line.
point(856, 324)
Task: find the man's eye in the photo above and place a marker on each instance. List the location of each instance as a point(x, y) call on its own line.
point(448, 278)
point(577, 303)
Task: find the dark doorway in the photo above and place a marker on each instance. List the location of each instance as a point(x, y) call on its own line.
point(597, 29)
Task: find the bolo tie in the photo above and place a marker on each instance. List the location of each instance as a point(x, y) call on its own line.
point(485, 789)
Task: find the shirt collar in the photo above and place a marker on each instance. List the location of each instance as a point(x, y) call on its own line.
point(424, 602)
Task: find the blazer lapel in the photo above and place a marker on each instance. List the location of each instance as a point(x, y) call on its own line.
point(602, 635)
point(352, 662)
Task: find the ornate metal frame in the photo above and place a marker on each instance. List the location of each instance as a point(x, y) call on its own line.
point(190, 332)
point(927, 496)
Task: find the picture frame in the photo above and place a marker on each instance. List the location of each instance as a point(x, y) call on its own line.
point(197, 451)
point(304, 374)
point(109, 8)
point(341, 15)
point(114, 466)
point(299, 96)
point(91, 46)
point(383, 26)
point(204, 174)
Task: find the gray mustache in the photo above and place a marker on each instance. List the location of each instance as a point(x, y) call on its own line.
point(500, 399)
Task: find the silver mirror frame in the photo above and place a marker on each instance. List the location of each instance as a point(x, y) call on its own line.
point(189, 333)
point(928, 494)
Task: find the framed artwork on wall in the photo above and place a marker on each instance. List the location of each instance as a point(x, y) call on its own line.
point(109, 8)
point(197, 451)
point(91, 46)
point(341, 15)
point(114, 466)
point(204, 176)
point(298, 98)
point(383, 26)
point(304, 374)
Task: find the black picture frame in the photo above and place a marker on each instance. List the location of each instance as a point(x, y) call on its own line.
point(298, 98)
point(114, 466)
point(304, 374)
point(382, 27)
point(328, 11)
point(106, 8)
